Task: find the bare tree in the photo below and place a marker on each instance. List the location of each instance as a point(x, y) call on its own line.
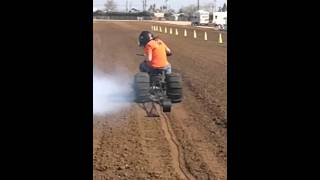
point(110, 5)
point(224, 8)
point(152, 8)
point(188, 10)
point(171, 11)
point(207, 7)
point(144, 5)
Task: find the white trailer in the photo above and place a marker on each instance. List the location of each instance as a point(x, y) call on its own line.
point(219, 18)
point(200, 17)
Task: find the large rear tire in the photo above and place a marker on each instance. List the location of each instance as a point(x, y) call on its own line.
point(142, 87)
point(174, 87)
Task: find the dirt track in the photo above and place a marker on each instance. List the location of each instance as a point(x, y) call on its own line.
point(188, 143)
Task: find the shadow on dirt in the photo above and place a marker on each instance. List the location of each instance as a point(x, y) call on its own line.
point(150, 109)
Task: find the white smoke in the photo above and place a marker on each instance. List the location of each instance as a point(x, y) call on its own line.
point(111, 92)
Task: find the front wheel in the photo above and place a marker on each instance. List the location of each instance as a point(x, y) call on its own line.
point(166, 105)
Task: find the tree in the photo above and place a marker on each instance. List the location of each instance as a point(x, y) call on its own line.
point(207, 7)
point(171, 11)
point(152, 8)
point(224, 8)
point(163, 8)
point(189, 10)
point(110, 5)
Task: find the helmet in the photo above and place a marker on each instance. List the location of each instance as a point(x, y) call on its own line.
point(144, 38)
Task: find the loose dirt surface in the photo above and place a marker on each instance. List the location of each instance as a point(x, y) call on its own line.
point(188, 143)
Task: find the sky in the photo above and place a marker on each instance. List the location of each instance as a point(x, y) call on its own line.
point(174, 4)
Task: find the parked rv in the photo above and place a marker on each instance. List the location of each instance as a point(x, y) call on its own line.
point(200, 17)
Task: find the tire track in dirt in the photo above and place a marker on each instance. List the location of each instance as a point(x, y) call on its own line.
point(201, 149)
point(178, 162)
point(155, 147)
point(171, 147)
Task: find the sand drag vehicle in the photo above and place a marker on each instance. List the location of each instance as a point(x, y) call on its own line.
point(158, 87)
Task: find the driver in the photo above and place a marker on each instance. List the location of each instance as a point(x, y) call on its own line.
point(155, 52)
